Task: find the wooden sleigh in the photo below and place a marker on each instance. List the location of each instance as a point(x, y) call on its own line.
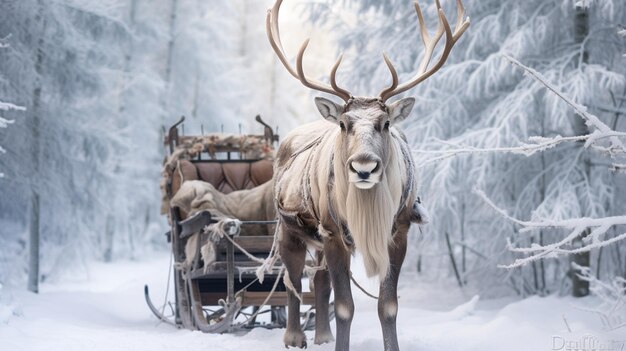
point(224, 295)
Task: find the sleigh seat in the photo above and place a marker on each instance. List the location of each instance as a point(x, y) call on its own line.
point(225, 176)
point(209, 296)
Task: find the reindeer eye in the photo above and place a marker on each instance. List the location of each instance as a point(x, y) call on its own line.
point(386, 125)
point(342, 126)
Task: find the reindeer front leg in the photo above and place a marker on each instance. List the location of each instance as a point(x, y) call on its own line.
point(322, 295)
point(338, 260)
point(388, 295)
point(293, 254)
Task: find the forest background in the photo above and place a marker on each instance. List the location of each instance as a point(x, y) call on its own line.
point(87, 86)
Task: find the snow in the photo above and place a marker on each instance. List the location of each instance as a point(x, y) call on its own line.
point(479, 114)
point(106, 311)
point(593, 240)
point(5, 106)
point(584, 4)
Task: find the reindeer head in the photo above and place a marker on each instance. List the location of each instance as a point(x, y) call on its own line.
point(365, 122)
point(365, 134)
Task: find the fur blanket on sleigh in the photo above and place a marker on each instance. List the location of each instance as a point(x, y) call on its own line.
point(255, 204)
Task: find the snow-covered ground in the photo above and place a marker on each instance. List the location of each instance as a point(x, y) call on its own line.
point(107, 312)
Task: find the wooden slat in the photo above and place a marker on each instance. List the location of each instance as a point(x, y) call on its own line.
point(278, 298)
point(195, 223)
point(218, 269)
point(256, 298)
point(252, 244)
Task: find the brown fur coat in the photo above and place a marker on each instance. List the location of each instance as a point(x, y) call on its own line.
point(256, 204)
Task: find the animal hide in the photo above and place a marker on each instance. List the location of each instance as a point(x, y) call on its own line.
point(190, 147)
point(369, 214)
point(255, 204)
point(207, 253)
point(246, 205)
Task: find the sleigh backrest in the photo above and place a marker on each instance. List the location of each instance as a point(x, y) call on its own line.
point(225, 176)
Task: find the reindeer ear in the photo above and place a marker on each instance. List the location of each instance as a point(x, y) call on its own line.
point(401, 109)
point(329, 110)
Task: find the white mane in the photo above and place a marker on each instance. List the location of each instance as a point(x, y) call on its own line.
point(370, 214)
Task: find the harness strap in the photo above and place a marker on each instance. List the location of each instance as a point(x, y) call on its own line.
point(329, 191)
point(408, 187)
point(313, 143)
point(362, 288)
point(307, 201)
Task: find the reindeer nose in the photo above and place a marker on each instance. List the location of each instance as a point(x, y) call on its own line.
point(364, 169)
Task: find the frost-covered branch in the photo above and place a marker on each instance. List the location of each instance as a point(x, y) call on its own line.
point(2, 40)
point(619, 167)
point(602, 130)
point(5, 122)
point(536, 144)
point(481, 108)
point(622, 33)
point(540, 143)
point(597, 227)
point(584, 4)
point(612, 296)
point(5, 106)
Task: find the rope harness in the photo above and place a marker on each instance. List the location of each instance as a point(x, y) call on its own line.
point(228, 228)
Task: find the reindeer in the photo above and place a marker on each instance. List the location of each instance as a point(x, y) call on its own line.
point(347, 182)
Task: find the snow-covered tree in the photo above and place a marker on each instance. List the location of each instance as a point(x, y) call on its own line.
point(4, 122)
point(480, 101)
point(88, 147)
point(99, 80)
point(5, 106)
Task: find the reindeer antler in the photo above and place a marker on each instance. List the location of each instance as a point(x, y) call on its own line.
point(273, 35)
point(430, 43)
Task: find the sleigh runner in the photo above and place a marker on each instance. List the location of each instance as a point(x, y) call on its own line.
point(220, 235)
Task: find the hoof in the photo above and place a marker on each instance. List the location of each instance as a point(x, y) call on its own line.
point(323, 338)
point(295, 339)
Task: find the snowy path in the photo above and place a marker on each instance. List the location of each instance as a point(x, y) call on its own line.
point(108, 313)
